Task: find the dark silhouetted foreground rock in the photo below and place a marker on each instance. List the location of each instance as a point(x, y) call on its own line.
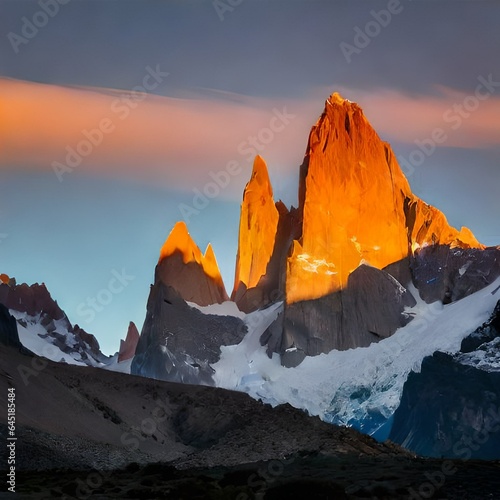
point(452, 407)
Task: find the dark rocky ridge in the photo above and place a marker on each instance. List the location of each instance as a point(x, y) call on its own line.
point(445, 274)
point(452, 408)
point(8, 331)
point(30, 299)
point(36, 302)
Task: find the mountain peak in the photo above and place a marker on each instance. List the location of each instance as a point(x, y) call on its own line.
point(194, 275)
point(356, 206)
point(351, 194)
point(179, 240)
point(260, 175)
point(129, 345)
point(258, 225)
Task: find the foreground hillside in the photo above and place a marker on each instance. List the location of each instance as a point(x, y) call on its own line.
point(85, 432)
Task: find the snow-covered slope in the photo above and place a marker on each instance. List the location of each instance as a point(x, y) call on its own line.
point(227, 308)
point(486, 357)
point(359, 387)
point(118, 366)
point(56, 343)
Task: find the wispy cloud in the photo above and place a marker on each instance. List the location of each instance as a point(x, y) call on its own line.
point(402, 117)
point(175, 141)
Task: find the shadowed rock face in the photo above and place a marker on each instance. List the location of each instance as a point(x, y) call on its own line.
point(178, 342)
point(449, 274)
point(8, 329)
point(367, 310)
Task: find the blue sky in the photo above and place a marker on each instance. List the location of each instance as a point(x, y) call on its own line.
point(225, 80)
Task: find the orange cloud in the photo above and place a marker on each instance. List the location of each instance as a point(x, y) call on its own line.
point(178, 142)
point(173, 141)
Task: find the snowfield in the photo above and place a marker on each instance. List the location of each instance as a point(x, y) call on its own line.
point(35, 337)
point(359, 387)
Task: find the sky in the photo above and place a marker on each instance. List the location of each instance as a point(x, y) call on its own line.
point(116, 115)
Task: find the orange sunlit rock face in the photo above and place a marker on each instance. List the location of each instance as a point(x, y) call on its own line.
point(258, 227)
point(182, 265)
point(4, 279)
point(357, 206)
point(430, 226)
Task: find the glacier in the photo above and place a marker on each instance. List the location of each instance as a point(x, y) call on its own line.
point(360, 387)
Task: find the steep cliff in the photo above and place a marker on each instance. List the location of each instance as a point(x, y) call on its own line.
point(266, 231)
point(357, 207)
point(129, 345)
